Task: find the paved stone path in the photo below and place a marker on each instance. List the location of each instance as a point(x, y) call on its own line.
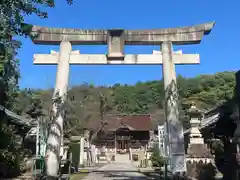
point(116, 170)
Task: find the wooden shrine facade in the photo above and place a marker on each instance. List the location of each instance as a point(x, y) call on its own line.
point(124, 132)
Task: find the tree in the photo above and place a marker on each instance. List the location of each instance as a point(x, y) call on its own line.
point(146, 98)
point(9, 74)
point(104, 108)
point(35, 109)
point(12, 17)
point(74, 121)
point(207, 91)
point(12, 14)
point(156, 157)
point(9, 149)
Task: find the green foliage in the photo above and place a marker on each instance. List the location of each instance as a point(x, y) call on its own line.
point(35, 109)
point(12, 18)
point(9, 78)
point(12, 15)
point(74, 120)
point(207, 91)
point(9, 74)
point(104, 108)
point(75, 150)
point(9, 147)
point(139, 99)
point(217, 147)
point(156, 158)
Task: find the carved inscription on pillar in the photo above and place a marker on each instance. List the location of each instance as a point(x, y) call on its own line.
point(116, 44)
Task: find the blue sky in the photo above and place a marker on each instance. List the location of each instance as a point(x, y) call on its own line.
point(220, 51)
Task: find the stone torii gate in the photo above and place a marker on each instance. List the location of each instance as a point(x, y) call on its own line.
point(116, 39)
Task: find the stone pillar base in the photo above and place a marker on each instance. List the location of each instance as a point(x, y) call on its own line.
point(200, 170)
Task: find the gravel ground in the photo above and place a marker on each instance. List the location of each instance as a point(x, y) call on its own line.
point(116, 171)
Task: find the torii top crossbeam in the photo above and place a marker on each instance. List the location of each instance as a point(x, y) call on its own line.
point(178, 36)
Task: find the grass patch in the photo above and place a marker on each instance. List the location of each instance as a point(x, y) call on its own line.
point(78, 176)
point(84, 171)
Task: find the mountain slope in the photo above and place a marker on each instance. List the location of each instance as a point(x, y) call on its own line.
point(207, 91)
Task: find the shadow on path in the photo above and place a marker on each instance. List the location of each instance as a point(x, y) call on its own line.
point(124, 175)
point(122, 171)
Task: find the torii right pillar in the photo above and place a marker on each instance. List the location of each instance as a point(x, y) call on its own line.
point(175, 134)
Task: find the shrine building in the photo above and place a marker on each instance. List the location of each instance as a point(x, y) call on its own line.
point(123, 133)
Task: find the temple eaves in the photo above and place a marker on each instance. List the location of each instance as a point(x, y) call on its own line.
point(15, 119)
point(179, 36)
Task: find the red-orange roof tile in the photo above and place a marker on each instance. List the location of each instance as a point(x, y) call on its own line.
point(134, 122)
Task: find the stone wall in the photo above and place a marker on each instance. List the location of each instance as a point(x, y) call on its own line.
point(201, 171)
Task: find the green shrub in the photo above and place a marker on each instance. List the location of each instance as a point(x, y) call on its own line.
point(75, 150)
point(156, 158)
point(135, 157)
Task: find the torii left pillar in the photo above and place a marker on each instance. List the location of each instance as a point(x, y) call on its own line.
point(55, 137)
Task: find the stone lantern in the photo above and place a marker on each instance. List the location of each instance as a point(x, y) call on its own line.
point(198, 153)
point(197, 150)
point(195, 120)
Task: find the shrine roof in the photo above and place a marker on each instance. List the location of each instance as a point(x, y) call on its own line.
point(15, 119)
point(132, 122)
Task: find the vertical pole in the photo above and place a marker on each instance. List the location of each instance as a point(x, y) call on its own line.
point(236, 139)
point(81, 152)
point(37, 139)
point(159, 139)
point(166, 150)
point(163, 141)
point(55, 135)
point(174, 127)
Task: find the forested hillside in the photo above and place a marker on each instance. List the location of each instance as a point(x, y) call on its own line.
point(83, 104)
